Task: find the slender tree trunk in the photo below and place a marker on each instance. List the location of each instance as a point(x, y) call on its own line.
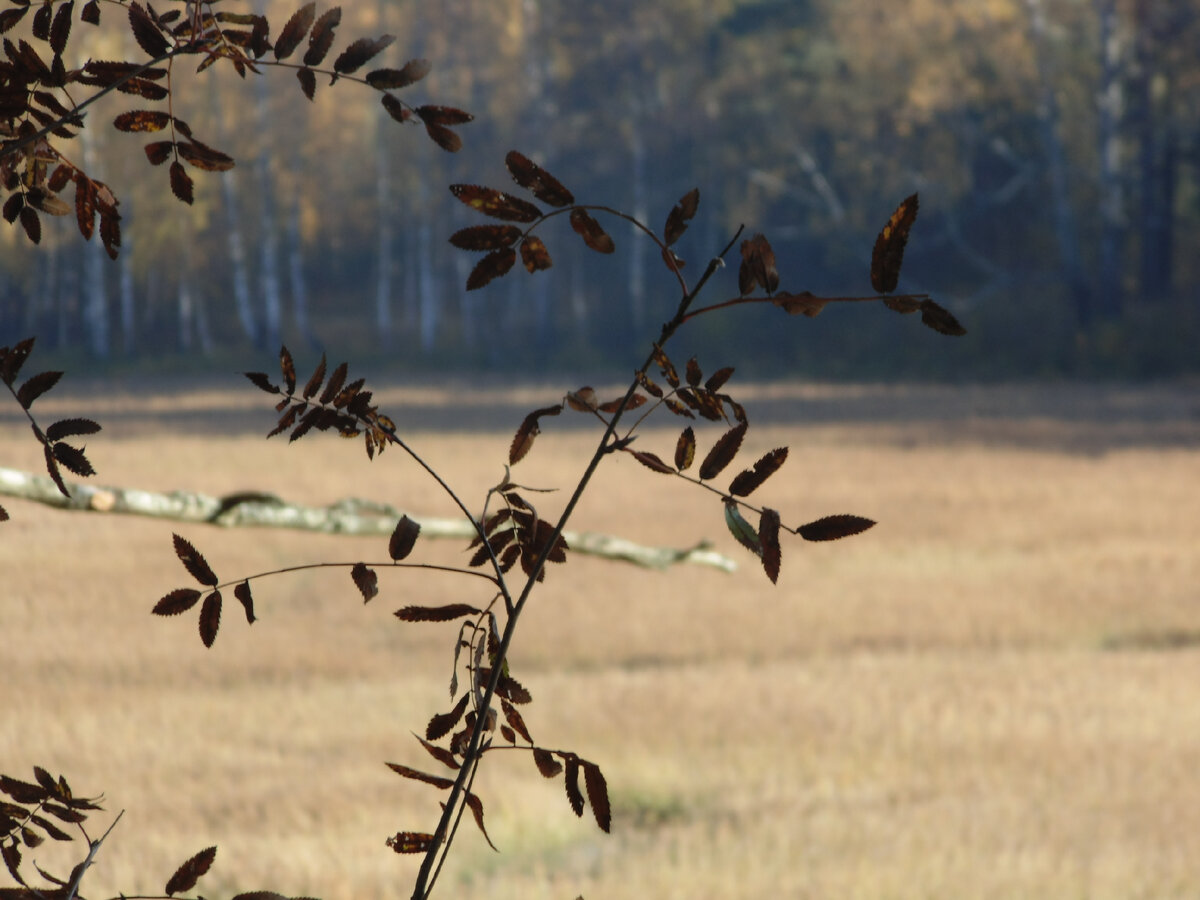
point(384, 231)
point(125, 305)
point(1112, 200)
point(235, 238)
point(637, 250)
point(94, 294)
point(1066, 229)
point(297, 286)
point(1156, 145)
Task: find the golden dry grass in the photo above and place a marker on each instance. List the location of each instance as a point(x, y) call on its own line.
point(994, 693)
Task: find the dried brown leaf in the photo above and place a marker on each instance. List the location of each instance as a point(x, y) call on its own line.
point(589, 229)
point(723, 452)
point(534, 254)
point(680, 215)
point(295, 30)
point(31, 223)
point(242, 593)
point(73, 459)
point(496, 204)
point(441, 754)
point(146, 32)
point(685, 449)
point(210, 618)
point(308, 82)
point(513, 717)
point(158, 152)
point(768, 542)
point(485, 237)
point(805, 303)
point(446, 613)
point(204, 157)
point(940, 320)
point(571, 780)
point(35, 386)
point(476, 807)
point(177, 601)
point(495, 265)
point(436, 780)
point(444, 137)
point(546, 763)
point(443, 115)
point(287, 367)
point(194, 562)
point(321, 37)
point(404, 536)
point(651, 461)
point(443, 723)
point(142, 120)
point(410, 841)
point(758, 266)
point(530, 428)
point(181, 183)
point(749, 480)
point(830, 528)
point(597, 794)
point(365, 580)
point(537, 180)
point(390, 79)
point(888, 253)
point(360, 52)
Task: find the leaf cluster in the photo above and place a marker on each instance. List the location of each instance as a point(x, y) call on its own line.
point(31, 812)
point(56, 451)
point(40, 109)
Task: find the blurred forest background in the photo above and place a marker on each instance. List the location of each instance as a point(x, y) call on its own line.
point(1055, 145)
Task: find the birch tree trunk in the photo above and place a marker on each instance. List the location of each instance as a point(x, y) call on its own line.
point(1112, 200)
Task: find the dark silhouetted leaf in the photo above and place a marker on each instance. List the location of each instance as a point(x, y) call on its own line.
point(52, 471)
point(31, 223)
point(940, 319)
point(589, 229)
point(35, 386)
point(158, 152)
point(680, 215)
point(443, 115)
point(888, 253)
point(395, 108)
point(73, 459)
point(11, 16)
point(388, 79)
point(537, 180)
point(23, 791)
point(546, 763)
point(178, 601)
point(436, 780)
point(11, 360)
point(444, 137)
point(189, 873)
point(476, 807)
point(242, 592)
point(513, 717)
point(61, 29)
point(485, 237)
point(768, 541)
point(742, 530)
point(263, 382)
point(494, 265)
point(723, 452)
point(321, 38)
point(210, 618)
point(404, 536)
point(142, 120)
point(758, 266)
point(41, 23)
point(410, 841)
point(12, 860)
point(529, 429)
point(287, 367)
point(692, 372)
point(496, 204)
point(295, 30)
point(436, 613)
point(534, 254)
point(13, 206)
point(308, 83)
point(651, 461)
point(194, 562)
point(666, 366)
point(805, 303)
point(571, 778)
point(749, 480)
point(830, 528)
point(365, 580)
point(337, 378)
point(361, 52)
point(597, 794)
point(70, 427)
point(91, 12)
point(145, 32)
point(441, 754)
point(315, 380)
point(181, 183)
point(441, 724)
point(685, 449)
point(717, 379)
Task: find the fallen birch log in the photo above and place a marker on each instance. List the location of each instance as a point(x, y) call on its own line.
point(353, 517)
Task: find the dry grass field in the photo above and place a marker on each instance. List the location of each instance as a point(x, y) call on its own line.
point(995, 693)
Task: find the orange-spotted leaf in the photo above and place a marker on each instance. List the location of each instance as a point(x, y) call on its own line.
point(534, 254)
point(210, 618)
point(768, 542)
point(496, 204)
point(888, 253)
point(142, 120)
point(365, 580)
point(194, 562)
point(537, 180)
point(589, 229)
point(410, 841)
point(749, 480)
point(830, 528)
point(723, 452)
point(189, 873)
point(485, 237)
point(494, 265)
point(665, 366)
point(685, 449)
